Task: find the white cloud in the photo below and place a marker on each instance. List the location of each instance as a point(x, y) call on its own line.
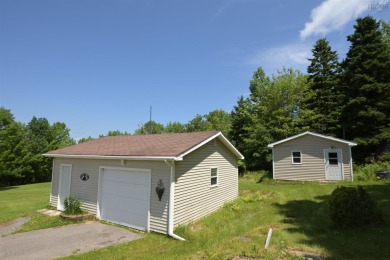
point(333, 14)
point(222, 8)
point(275, 58)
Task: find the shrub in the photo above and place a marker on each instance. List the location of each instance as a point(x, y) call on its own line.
point(232, 206)
point(369, 171)
point(385, 157)
point(72, 205)
point(253, 197)
point(241, 168)
point(257, 176)
point(353, 207)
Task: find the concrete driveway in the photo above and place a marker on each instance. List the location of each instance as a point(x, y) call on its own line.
point(63, 241)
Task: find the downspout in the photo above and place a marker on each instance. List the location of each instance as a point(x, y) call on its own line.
point(51, 183)
point(172, 201)
point(350, 162)
point(273, 164)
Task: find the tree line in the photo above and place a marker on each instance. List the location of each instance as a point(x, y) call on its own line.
point(347, 98)
point(22, 146)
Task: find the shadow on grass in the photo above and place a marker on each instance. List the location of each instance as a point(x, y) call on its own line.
point(7, 188)
point(309, 220)
point(267, 175)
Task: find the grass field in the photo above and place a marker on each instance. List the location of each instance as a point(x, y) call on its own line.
point(19, 201)
point(297, 210)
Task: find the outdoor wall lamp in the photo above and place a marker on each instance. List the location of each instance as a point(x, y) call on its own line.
point(84, 176)
point(160, 189)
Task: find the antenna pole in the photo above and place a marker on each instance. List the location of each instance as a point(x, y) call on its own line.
point(150, 121)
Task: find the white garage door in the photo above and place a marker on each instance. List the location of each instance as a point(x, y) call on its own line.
point(124, 197)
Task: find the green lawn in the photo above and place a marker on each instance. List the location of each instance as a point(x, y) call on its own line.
point(19, 201)
point(298, 211)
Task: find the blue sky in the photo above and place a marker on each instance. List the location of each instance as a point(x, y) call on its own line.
point(98, 65)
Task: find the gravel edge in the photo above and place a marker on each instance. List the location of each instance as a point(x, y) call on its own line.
point(12, 226)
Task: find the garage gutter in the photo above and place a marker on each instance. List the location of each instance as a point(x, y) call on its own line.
point(110, 157)
point(172, 201)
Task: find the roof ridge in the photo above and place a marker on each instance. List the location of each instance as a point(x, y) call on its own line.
point(159, 134)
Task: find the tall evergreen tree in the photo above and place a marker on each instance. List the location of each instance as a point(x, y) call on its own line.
point(241, 119)
point(366, 80)
point(324, 96)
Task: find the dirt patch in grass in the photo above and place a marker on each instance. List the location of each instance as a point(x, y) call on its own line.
point(304, 255)
point(244, 239)
point(87, 215)
point(195, 227)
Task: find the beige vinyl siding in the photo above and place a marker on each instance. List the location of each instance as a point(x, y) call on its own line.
point(194, 196)
point(312, 152)
point(87, 191)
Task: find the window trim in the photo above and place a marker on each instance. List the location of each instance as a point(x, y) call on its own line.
point(292, 157)
point(216, 177)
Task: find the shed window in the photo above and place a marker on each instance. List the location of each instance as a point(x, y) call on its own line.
point(296, 157)
point(333, 160)
point(214, 176)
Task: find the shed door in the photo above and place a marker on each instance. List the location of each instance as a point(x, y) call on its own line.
point(125, 197)
point(333, 165)
point(64, 185)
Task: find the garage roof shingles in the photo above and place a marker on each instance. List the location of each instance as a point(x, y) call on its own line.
point(138, 145)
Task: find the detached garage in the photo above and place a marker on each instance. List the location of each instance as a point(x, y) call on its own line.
point(148, 182)
point(312, 156)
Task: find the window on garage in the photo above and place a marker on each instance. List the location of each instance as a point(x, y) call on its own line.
point(214, 176)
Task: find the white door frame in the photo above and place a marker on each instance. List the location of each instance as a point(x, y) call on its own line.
point(100, 183)
point(63, 187)
point(340, 162)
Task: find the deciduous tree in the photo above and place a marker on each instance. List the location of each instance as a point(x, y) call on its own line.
point(150, 128)
point(12, 151)
point(174, 127)
point(22, 146)
point(271, 112)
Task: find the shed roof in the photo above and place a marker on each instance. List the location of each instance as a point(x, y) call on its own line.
point(147, 147)
point(313, 134)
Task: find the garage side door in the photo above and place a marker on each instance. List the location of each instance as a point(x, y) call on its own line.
point(125, 197)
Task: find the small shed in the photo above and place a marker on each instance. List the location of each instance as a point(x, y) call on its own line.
point(312, 156)
point(148, 182)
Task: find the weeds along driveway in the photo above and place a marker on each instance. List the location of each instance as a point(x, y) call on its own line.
point(63, 241)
